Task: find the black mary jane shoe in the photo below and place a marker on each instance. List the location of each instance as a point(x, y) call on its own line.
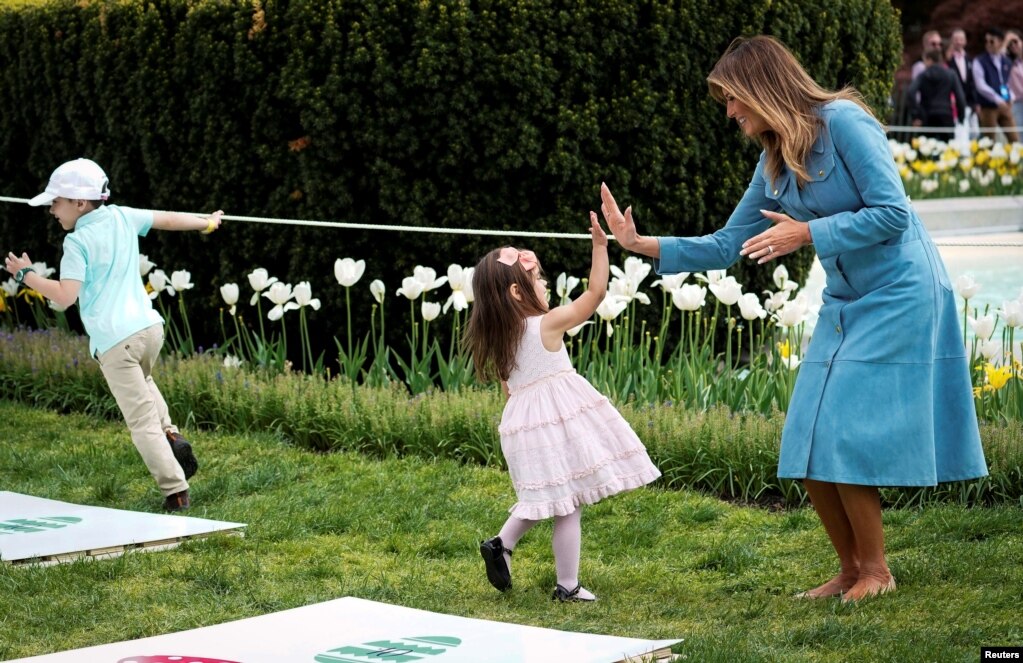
point(498, 573)
point(567, 595)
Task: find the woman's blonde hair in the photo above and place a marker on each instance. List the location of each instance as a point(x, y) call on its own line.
point(765, 76)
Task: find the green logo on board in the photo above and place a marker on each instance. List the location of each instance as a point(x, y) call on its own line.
point(31, 525)
point(401, 651)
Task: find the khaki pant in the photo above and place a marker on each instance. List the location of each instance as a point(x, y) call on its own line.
point(127, 368)
point(999, 117)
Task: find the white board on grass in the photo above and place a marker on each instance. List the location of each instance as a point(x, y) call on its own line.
point(41, 531)
point(353, 630)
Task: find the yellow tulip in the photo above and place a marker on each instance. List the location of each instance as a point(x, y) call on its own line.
point(997, 376)
point(27, 293)
point(784, 350)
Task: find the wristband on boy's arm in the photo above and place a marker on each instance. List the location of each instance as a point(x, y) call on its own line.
point(19, 278)
point(210, 226)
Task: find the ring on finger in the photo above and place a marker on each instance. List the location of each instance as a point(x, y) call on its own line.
point(770, 249)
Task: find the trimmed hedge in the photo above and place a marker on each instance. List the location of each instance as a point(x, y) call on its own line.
point(504, 114)
point(729, 455)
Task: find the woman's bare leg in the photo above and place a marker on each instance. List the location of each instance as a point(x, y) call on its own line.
point(830, 509)
point(863, 509)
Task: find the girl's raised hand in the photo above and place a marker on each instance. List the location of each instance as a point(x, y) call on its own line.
point(596, 232)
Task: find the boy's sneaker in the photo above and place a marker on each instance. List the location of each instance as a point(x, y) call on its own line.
point(183, 453)
point(177, 501)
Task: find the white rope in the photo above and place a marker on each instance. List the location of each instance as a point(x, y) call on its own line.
point(375, 226)
point(940, 130)
point(459, 231)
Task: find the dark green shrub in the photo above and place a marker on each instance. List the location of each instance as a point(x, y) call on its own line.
point(498, 115)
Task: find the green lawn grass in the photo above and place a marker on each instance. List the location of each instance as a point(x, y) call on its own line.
point(665, 564)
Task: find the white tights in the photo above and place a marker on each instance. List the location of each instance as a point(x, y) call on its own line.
point(565, 543)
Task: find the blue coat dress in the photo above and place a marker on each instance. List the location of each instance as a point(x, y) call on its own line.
point(883, 396)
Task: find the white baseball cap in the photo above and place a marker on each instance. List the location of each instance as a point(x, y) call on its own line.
point(81, 179)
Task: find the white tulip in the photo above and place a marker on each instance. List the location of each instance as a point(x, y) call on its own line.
point(229, 291)
point(304, 296)
point(689, 297)
point(983, 326)
point(611, 308)
point(468, 274)
point(42, 270)
point(348, 271)
point(1012, 313)
point(180, 281)
point(430, 310)
point(791, 362)
point(780, 276)
point(260, 281)
point(750, 308)
point(712, 275)
point(564, 286)
point(145, 266)
point(727, 290)
point(671, 282)
point(428, 277)
point(377, 289)
point(966, 286)
point(578, 328)
point(627, 289)
point(459, 279)
point(636, 269)
point(230, 361)
point(410, 288)
point(157, 282)
point(280, 294)
point(775, 300)
point(792, 313)
point(990, 349)
point(10, 287)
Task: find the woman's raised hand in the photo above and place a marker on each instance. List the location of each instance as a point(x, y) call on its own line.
point(621, 225)
point(624, 228)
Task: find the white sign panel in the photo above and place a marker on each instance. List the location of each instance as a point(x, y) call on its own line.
point(353, 630)
point(37, 530)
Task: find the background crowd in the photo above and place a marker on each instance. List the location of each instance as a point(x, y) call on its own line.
point(953, 84)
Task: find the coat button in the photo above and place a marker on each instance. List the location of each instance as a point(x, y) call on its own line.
point(838, 329)
point(821, 173)
point(776, 192)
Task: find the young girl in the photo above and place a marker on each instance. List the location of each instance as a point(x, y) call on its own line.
point(565, 444)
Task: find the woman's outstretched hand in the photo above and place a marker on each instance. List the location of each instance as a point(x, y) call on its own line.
point(621, 225)
point(784, 237)
point(624, 229)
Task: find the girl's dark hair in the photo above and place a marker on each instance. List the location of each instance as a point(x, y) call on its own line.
point(497, 319)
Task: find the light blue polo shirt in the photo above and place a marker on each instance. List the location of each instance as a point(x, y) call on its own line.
point(103, 253)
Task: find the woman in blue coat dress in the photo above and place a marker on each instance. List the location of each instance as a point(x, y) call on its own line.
point(883, 396)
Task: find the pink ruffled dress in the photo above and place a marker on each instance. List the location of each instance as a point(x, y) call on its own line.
point(564, 442)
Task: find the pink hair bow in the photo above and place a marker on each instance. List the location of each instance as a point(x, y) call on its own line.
point(510, 254)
